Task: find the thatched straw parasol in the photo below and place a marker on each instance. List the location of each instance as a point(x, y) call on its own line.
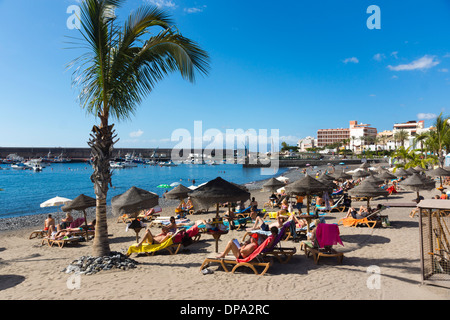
point(364, 165)
point(367, 189)
point(81, 203)
point(307, 186)
point(374, 179)
point(360, 174)
point(386, 175)
point(411, 170)
point(438, 172)
point(133, 200)
point(273, 184)
point(417, 182)
point(217, 191)
point(341, 176)
point(400, 172)
point(179, 192)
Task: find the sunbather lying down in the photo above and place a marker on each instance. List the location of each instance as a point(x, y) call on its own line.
point(58, 235)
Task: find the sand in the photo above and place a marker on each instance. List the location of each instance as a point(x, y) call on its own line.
point(29, 270)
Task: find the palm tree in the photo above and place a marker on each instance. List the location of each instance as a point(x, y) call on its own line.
point(401, 136)
point(121, 66)
point(440, 137)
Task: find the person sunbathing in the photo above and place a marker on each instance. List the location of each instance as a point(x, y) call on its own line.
point(363, 212)
point(71, 231)
point(240, 251)
point(166, 233)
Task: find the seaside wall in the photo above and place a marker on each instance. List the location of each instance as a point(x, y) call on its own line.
point(312, 162)
point(80, 154)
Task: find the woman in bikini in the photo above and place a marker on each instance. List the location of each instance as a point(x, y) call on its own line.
point(166, 233)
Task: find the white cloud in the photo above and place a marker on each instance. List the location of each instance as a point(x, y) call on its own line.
point(426, 116)
point(394, 54)
point(136, 134)
point(426, 62)
point(352, 59)
point(443, 70)
point(372, 95)
point(394, 77)
point(194, 9)
point(163, 3)
point(379, 56)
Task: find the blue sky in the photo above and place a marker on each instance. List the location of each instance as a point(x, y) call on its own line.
point(297, 66)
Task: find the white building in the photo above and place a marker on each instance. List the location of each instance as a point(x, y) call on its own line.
point(305, 143)
point(359, 135)
point(413, 128)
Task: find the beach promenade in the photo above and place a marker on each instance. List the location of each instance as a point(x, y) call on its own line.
point(31, 271)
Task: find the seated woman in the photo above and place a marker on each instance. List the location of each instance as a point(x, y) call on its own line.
point(284, 208)
point(166, 233)
point(65, 222)
point(240, 251)
point(189, 205)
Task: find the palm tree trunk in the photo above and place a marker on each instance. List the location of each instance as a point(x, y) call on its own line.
point(101, 143)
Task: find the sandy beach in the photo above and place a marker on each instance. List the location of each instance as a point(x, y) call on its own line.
point(27, 267)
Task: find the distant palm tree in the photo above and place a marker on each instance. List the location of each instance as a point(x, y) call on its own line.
point(401, 136)
point(121, 67)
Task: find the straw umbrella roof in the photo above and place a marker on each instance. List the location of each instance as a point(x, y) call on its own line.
point(417, 182)
point(374, 179)
point(367, 189)
point(217, 191)
point(133, 200)
point(342, 176)
point(81, 202)
point(325, 176)
point(400, 172)
point(365, 165)
point(438, 172)
point(327, 182)
point(179, 192)
point(273, 184)
point(360, 174)
point(307, 186)
point(386, 175)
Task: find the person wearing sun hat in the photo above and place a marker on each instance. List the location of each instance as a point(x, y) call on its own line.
point(240, 251)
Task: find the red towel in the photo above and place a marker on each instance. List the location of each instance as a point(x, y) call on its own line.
point(328, 235)
point(256, 252)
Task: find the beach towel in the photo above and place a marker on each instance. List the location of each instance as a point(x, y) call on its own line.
point(258, 250)
point(328, 235)
point(147, 247)
point(76, 223)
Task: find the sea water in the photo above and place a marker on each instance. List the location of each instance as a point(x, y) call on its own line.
point(24, 190)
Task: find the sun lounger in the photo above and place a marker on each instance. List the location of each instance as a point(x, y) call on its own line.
point(62, 242)
point(338, 206)
point(171, 245)
point(38, 234)
point(252, 261)
point(283, 254)
point(371, 220)
point(327, 235)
